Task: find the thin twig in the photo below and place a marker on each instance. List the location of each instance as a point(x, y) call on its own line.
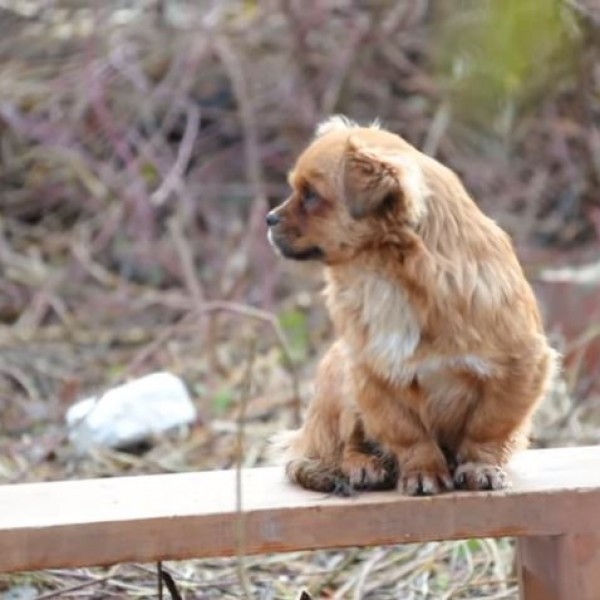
point(253, 160)
point(159, 580)
point(169, 582)
point(186, 147)
point(245, 102)
point(73, 588)
point(186, 258)
point(240, 522)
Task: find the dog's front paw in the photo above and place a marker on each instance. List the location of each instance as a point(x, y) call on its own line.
point(480, 476)
point(369, 472)
point(425, 483)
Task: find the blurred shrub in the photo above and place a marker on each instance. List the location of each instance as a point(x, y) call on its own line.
point(499, 58)
point(143, 141)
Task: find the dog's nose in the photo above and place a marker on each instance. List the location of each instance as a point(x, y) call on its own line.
point(272, 219)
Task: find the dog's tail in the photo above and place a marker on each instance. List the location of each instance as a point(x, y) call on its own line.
point(310, 473)
point(284, 445)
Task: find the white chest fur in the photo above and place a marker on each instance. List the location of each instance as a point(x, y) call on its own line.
point(393, 333)
point(392, 325)
point(385, 315)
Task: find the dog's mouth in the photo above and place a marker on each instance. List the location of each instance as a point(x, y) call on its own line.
point(283, 247)
point(313, 253)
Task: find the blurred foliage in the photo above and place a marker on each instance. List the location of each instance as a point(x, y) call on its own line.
point(295, 325)
point(497, 58)
point(222, 400)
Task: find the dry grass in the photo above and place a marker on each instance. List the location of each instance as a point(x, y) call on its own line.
point(140, 144)
point(474, 568)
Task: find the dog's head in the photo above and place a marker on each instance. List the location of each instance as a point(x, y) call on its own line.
point(348, 187)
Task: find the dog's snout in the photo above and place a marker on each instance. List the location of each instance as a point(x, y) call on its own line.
point(272, 219)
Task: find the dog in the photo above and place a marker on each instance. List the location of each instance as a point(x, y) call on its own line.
point(440, 356)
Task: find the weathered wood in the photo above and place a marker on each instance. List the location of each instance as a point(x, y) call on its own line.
point(147, 518)
point(563, 567)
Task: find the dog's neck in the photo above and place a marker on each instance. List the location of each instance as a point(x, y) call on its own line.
point(398, 259)
point(373, 278)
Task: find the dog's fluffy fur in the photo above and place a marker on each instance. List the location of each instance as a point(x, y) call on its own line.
point(441, 356)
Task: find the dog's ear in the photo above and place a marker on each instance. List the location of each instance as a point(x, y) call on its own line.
point(374, 180)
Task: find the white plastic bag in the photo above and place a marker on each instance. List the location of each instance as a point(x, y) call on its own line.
point(131, 413)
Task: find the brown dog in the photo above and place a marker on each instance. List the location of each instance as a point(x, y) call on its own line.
point(441, 356)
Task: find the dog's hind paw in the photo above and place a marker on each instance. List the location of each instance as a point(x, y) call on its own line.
point(312, 474)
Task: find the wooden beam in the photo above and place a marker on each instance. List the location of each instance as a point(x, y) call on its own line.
point(561, 567)
point(169, 517)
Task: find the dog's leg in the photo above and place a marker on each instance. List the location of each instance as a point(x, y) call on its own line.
point(499, 423)
point(367, 465)
point(423, 469)
point(329, 453)
point(313, 453)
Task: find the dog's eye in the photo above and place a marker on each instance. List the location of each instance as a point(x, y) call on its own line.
point(310, 199)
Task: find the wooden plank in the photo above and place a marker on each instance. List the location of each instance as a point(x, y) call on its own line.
point(169, 517)
point(562, 567)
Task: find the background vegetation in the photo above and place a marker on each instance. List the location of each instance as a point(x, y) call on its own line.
point(142, 142)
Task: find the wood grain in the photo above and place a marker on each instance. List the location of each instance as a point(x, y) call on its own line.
point(169, 517)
